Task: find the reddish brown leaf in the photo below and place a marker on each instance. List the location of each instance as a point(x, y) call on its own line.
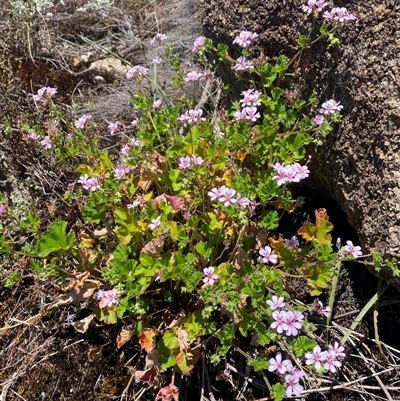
point(147, 340)
point(147, 376)
point(168, 393)
point(176, 202)
point(187, 360)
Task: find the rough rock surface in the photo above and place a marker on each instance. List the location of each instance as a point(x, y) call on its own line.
point(359, 165)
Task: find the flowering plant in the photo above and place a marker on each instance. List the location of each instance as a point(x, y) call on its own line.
point(188, 207)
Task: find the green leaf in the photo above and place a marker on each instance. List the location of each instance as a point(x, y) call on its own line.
point(105, 162)
point(222, 50)
point(204, 249)
point(302, 344)
point(166, 356)
point(267, 74)
point(215, 223)
point(276, 93)
point(56, 239)
point(278, 391)
point(262, 331)
point(303, 42)
point(4, 247)
point(108, 316)
point(319, 276)
point(269, 220)
point(194, 325)
point(258, 364)
point(170, 340)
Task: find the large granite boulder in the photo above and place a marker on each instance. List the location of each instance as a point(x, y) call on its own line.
point(359, 165)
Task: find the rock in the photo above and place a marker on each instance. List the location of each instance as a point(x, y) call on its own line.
point(359, 164)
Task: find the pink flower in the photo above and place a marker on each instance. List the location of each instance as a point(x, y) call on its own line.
point(354, 251)
point(198, 44)
point(159, 38)
point(3, 209)
point(184, 162)
point(251, 113)
point(250, 98)
point(217, 131)
point(192, 116)
point(227, 197)
point(279, 322)
point(46, 142)
point(33, 136)
point(315, 357)
point(239, 115)
point(157, 104)
point(293, 325)
point(276, 302)
point(155, 223)
point(215, 193)
point(331, 364)
point(90, 184)
point(268, 255)
point(323, 311)
point(137, 72)
point(81, 122)
point(290, 173)
point(296, 372)
point(341, 15)
point(134, 204)
point(337, 350)
point(330, 107)
point(291, 243)
point(157, 60)
point(107, 298)
point(43, 91)
point(119, 172)
point(279, 365)
point(245, 38)
point(135, 122)
point(114, 127)
point(197, 160)
point(243, 65)
point(125, 150)
point(210, 277)
point(320, 4)
point(309, 7)
point(193, 76)
point(319, 119)
point(293, 386)
point(329, 16)
point(243, 202)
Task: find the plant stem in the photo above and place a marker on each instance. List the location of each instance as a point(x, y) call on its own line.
point(333, 289)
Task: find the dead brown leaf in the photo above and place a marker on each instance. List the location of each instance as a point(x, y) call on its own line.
point(82, 288)
point(123, 337)
point(83, 325)
point(152, 371)
point(99, 233)
point(183, 339)
point(240, 257)
point(154, 247)
point(155, 203)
